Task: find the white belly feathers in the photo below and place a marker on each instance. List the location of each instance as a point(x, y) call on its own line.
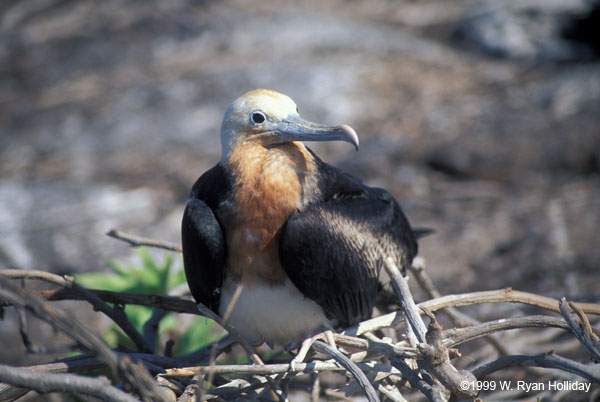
point(277, 314)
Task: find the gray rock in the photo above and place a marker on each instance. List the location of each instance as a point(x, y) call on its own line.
point(526, 30)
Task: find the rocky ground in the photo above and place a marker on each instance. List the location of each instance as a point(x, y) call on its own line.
point(481, 117)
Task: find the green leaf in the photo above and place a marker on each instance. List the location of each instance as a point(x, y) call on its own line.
point(201, 331)
point(105, 281)
point(176, 278)
point(118, 268)
point(165, 270)
point(151, 277)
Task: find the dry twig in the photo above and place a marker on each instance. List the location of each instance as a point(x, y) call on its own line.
point(546, 360)
point(459, 319)
point(49, 382)
point(138, 241)
point(437, 359)
point(434, 353)
point(135, 374)
point(367, 365)
point(456, 336)
point(177, 305)
point(350, 367)
point(116, 314)
point(580, 326)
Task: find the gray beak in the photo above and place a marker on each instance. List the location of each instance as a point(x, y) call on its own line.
point(297, 129)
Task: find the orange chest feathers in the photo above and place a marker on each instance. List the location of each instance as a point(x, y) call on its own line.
point(269, 187)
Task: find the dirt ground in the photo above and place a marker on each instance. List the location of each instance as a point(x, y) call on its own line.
point(109, 111)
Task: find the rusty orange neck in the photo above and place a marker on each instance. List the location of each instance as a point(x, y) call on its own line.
point(269, 185)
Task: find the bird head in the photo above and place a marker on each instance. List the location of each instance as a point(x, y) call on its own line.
point(271, 118)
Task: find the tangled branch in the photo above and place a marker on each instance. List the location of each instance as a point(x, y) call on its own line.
point(391, 355)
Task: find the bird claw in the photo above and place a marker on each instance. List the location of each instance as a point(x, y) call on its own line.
point(293, 365)
point(326, 336)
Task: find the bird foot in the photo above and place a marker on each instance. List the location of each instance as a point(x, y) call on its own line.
point(326, 336)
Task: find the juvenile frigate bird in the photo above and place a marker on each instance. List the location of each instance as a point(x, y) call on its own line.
point(305, 240)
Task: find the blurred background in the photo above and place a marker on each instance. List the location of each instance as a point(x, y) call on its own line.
point(481, 117)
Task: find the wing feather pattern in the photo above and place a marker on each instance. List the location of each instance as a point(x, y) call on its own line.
point(333, 250)
point(204, 247)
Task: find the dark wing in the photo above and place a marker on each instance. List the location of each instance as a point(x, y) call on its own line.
point(334, 249)
point(202, 239)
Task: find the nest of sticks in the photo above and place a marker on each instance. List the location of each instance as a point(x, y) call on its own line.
point(405, 354)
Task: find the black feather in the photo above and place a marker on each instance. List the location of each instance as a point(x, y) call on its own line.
point(202, 237)
point(334, 248)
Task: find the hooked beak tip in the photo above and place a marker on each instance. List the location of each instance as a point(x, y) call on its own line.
point(351, 135)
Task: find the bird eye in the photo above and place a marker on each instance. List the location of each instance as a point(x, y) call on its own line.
point(258, 117)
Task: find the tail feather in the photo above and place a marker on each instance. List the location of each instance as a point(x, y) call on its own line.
point(422, 232)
